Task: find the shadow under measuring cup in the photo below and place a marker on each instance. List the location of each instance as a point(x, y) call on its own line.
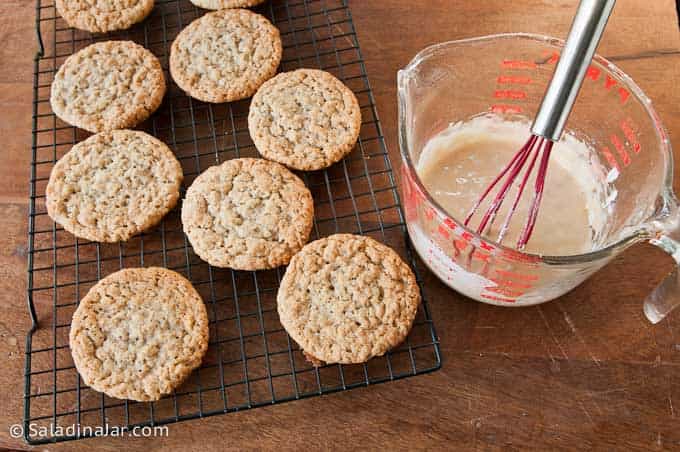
point(506, 75)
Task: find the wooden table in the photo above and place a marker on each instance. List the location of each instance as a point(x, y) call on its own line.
point(584, 371)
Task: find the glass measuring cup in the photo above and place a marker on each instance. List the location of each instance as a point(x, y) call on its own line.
point(507, 75)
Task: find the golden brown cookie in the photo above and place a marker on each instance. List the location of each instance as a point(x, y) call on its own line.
point(100, 16)
point(138, 333)
point(224, 4)
point(113, 185)
point(108, 85)
point(247, 214)
point(305, 119)
point(347, 298)
point(225, 55)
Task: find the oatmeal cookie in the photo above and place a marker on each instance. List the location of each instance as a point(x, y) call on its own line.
point(247, 214)
point(305, 119)
point(100, 16)
point(225, 55)
point(108, 85)
point(138, 333)
point(113, 185)
point(223, 4)
point(347, 298)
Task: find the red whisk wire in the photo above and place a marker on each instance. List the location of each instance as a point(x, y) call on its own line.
point(520, 190)
point(534, 145)
point(538, 195)
point(528, 144)
point(496, 204)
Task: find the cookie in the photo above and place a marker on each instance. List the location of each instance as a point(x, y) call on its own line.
point(305, 119)
point(225, 55)
point(100, 16)
point(247, 214)
point(113, 185)
point(347, 298)
point(223, 4)
point(108, 85)
point(138, 333)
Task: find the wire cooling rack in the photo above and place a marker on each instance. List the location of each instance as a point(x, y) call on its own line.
point(251, 361)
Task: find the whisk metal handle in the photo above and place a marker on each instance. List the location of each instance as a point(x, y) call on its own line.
point(584, 36)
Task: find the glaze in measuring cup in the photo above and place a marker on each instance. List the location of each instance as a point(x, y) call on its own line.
point(506, 75)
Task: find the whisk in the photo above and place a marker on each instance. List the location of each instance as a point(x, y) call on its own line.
point(584, 36)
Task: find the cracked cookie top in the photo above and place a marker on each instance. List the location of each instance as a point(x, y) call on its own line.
point(138, 333)
point(225, 55)
point(100, 16)
point(305, 119)
point(247, 214)
point(108, 85)
point(347, 298)
point(113, 185)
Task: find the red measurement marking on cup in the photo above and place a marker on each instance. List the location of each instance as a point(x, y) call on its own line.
point(459, 245)
point(480, 255)
point(450, 223)
point(429, 213)
point(510, 79)
point(504, 291)
point(443, 231)
point(504, 108)
point(513, 80)
point(518, 64)
point(511, 283)
point(515, 275)
point(623, 93)
point(613, 163)
point(512, 257)
point(593, 73)
point(609, 82)
point(628, 128)
point(445, 228)
point(486, 246)
point(509, 94)
point(620, 148)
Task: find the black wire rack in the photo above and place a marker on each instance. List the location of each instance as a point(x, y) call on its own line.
point(251, 361)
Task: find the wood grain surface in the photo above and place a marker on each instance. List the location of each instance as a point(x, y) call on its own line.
point(584, 371)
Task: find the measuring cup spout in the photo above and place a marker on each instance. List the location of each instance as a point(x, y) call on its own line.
point(666, 228)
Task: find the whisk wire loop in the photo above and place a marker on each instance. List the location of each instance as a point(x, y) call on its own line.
point(535, 147)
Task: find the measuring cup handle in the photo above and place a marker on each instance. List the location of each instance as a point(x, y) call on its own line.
point(666, 296)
